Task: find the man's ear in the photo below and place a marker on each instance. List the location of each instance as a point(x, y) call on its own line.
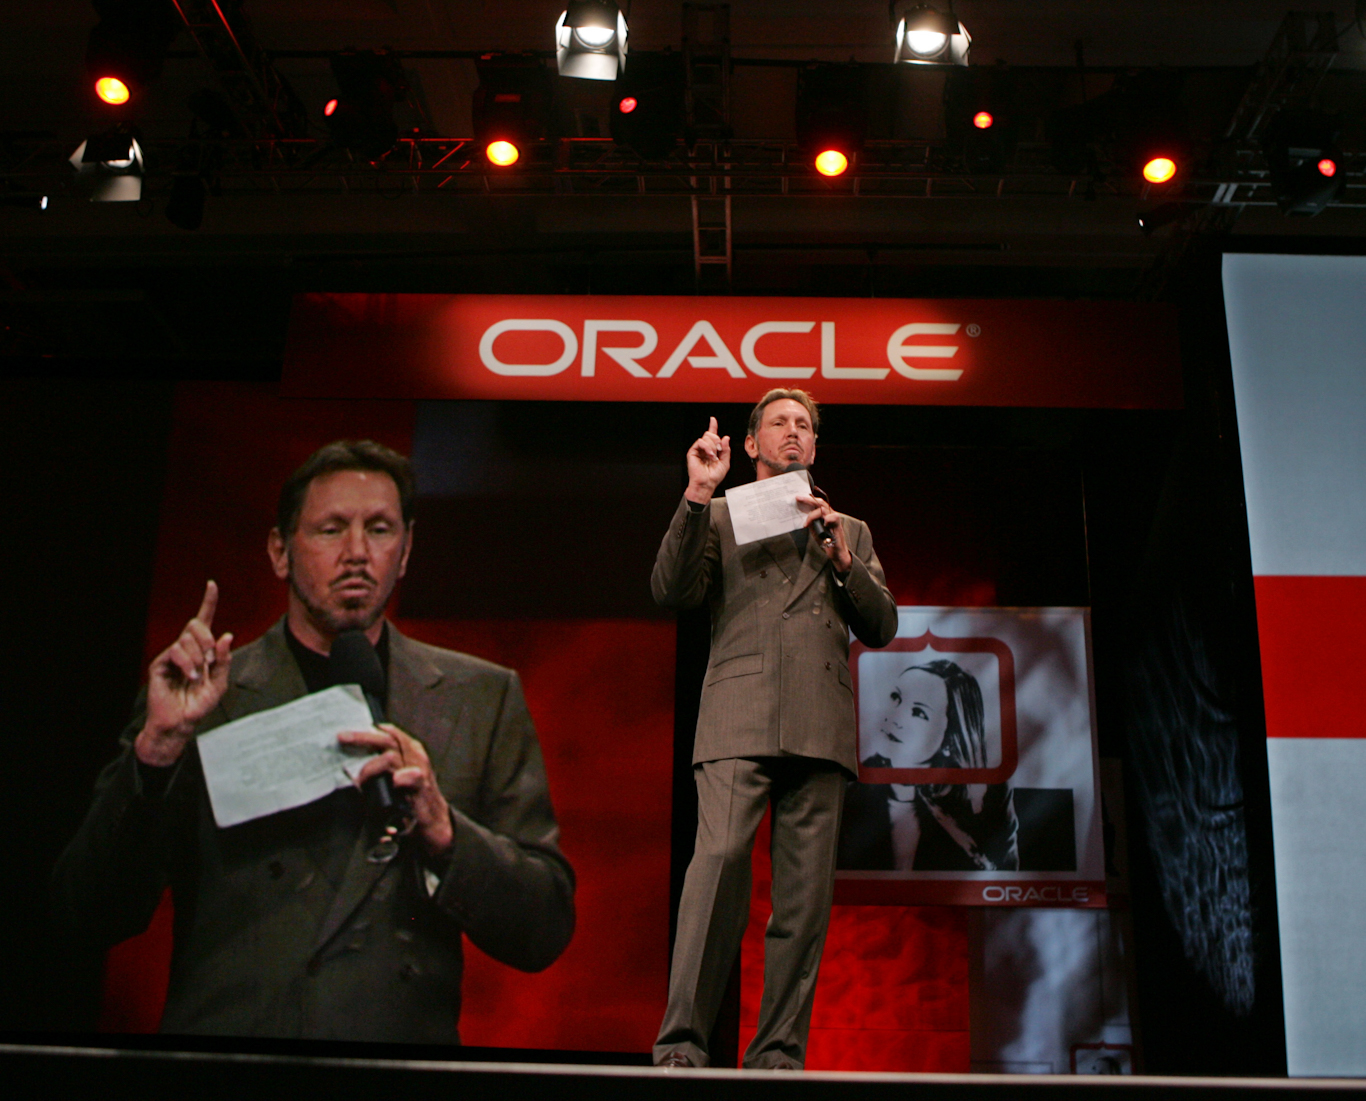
point(751, 447)
point(278, 550)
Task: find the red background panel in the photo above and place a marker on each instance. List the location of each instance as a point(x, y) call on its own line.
point(893, 988)
point(600, 692)
point(1312, 632)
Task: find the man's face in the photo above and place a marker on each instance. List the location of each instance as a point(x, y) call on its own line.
point(347, 553)
point(784, 437)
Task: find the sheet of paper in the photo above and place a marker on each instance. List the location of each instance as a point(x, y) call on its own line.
point(282, 758)
point(763, 509)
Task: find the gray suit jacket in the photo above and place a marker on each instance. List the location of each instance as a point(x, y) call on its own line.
point(282, 927)
point(778, 678)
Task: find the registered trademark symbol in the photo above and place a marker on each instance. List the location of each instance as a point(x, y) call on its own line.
point(974, 330)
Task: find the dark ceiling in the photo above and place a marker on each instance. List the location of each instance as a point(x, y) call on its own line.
point(915, 223)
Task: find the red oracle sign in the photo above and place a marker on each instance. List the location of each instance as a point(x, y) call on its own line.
point(638, 348)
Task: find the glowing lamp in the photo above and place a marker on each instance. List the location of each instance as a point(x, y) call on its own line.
point(330, 108)
point(831, 162)
point(982, 120)
point(112, 90)
point(502, 153)
point(1159, 170)
point(1328, 167)
point(627, 105)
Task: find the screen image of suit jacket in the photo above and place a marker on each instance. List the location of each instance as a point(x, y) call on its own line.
point(283, 928)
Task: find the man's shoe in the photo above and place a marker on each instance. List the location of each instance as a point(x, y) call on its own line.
point(675, 1059)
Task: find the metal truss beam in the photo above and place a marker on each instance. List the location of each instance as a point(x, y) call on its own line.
point(592, 166)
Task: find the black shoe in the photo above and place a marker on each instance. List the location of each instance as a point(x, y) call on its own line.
point(675, 1059)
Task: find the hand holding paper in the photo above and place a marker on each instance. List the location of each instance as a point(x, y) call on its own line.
point(285, 757)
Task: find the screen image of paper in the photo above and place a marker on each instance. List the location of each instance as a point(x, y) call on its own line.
point(761, 510)
point(282, 758)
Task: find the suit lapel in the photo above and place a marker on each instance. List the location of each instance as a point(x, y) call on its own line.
point(264, 677)
point(410, 677)
point(811, 567)
point(784, 554)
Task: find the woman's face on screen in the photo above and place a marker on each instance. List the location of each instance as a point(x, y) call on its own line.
point(915, 720)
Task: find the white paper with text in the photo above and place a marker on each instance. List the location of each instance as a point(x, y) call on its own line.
point(283, 758)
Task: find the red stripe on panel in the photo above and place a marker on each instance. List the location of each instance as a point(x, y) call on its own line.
point(1313, 638)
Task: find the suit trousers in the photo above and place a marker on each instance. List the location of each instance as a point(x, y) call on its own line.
point(806, 795)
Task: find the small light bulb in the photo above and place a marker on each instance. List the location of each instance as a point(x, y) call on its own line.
point(1159, 170)
point(502, 153)
point(831, 162)
point(112, 90)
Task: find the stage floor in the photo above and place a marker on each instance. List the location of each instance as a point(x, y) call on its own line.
point(54, 1071)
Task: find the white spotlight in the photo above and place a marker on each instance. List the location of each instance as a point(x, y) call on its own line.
point(112, 165)
point(590, 40)
point(928, 36)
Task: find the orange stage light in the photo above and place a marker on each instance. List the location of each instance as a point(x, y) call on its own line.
point(831, 163)
point(628, 104)
point(502, 153)
point(112, 90)
point(982, 120)
point(1328, 167)
point(330, 108)
point(1159, 170)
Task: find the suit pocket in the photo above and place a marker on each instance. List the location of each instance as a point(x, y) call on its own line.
point(742, 666)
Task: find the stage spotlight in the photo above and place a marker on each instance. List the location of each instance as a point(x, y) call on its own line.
point(590, 40)
point(511, 106)
point(831, 162)
point(112, 90)
point(502, 153)
point(832, 115)
point(979, 122)
point(127, 48)
point(1302, 154)
point(1138, 128)
point(361, 117)
point(648, 115)
point(111, 165)
point(1159, 170)
point(928, 36)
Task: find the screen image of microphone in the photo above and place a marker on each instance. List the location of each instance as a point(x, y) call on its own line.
point(353, 660)
point(817, 525)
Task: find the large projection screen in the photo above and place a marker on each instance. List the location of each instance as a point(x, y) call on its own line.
point(1297, 336)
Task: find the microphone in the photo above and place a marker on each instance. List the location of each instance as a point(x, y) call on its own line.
point(818, 526)
point(353, 660)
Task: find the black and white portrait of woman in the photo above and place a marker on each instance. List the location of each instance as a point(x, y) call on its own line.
point(930, 716)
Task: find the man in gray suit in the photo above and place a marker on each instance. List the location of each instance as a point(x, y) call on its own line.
point(776, 726)
point(284, 926)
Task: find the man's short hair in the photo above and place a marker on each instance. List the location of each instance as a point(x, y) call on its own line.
point(791, 395)
point(344, 455)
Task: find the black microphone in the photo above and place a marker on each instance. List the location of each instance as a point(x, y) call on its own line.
point(818, 526)
point(353, 660)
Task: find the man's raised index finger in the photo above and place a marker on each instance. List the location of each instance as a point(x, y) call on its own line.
point(712, 427)
point(208, 605)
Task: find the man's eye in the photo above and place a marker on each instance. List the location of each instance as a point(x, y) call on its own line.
point(896, 697)
point(920, 712)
